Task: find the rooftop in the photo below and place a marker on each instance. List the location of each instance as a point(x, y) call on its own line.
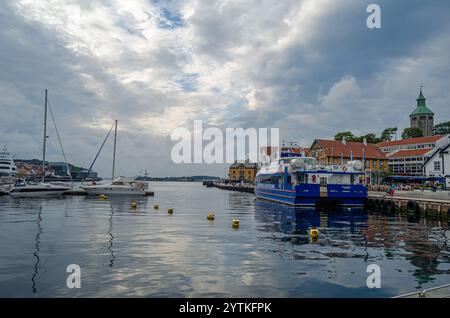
point(419, 140)
point(409, 153)
point(337, 148)
point(421, 108)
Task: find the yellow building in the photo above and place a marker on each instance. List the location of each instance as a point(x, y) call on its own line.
point(243, 171)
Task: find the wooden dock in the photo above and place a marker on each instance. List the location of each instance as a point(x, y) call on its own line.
point(235, 187)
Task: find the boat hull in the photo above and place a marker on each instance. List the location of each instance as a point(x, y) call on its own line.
point(114, 192)
point(37, 193)
point(311, 195)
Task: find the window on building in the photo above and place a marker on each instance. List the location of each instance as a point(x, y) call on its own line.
point(437, 166)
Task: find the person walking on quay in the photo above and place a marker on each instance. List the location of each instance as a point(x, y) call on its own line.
point(392, 190)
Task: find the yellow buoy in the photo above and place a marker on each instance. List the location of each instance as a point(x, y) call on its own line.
point(102, 197)
point(170, 211)
point(156, 207)
point(235, 223)
point(134, 205)
point(314, 233)
point(210, 216)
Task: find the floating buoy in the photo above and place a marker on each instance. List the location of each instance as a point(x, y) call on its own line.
point(156, 207)
point(134, 205)
point(102, 197)
point(210, 216)
point(170, 211)
point(235, 223)
point(314, 233)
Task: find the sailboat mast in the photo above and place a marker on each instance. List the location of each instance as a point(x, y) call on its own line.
point(45, 138)
point(114, 153)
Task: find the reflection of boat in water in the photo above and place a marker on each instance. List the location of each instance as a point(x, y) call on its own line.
point(31, 187)
point(119, 186)
point(300, 181)
point(291, 219)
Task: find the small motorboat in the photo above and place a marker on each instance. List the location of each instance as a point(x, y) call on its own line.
point(32, 187)
point(118, 187)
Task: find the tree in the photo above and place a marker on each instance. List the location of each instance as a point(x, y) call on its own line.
point(409, 133)
point(386, 135)
point(442, 129)
point(347, 134)
point(370, 138)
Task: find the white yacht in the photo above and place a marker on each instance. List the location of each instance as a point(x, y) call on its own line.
point(31, 187)
point(7, 166)
point(118, 187)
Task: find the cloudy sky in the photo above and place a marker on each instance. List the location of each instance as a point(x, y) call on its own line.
point(309, 67)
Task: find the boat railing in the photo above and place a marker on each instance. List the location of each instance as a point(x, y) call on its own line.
point(435, 292)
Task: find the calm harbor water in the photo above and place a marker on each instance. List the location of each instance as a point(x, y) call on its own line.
point(145, 252)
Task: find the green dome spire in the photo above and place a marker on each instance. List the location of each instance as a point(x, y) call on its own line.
point(421, 108)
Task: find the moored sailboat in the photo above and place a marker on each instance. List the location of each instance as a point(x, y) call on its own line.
point(118, 186)
point(31, 186)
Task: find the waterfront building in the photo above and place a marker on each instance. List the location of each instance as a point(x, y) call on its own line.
point(243, 171)
point(422, 117)
point(407, 156)
point(336, 152)
point(437, 164)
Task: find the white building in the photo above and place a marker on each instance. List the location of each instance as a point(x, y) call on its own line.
point(437, 165)
point(407, 156)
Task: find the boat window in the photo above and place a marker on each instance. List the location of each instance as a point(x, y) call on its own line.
point(302, 178)
point(352, 178)
point(268, 179)
point(19, 183)
point(289, 180)
point(323, 181)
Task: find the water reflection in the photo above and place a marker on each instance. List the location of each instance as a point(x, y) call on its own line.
point(356, 233)
point(111, 237)
point(145, 252)
point(37, 241)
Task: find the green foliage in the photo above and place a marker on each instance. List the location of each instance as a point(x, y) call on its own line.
point(347, 134)
point(409, 133)
point(442, 129)
point(386, 135)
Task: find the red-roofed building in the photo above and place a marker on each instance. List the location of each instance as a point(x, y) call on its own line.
point(407, 156)
point(340, 152)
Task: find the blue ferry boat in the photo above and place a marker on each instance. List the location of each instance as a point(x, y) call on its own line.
point(301, 181)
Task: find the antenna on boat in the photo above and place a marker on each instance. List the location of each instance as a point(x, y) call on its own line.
point(45, 138)
point(114, 152)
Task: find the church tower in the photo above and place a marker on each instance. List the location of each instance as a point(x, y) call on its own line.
point(422, 117)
